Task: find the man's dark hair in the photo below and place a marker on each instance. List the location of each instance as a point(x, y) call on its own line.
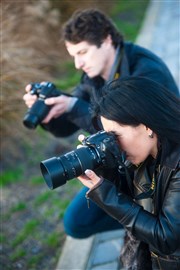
point(90, 25)
point(139, 100)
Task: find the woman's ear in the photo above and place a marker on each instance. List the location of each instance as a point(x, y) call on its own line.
point(150, 132)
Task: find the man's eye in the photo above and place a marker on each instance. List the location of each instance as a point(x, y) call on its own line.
point(83, 52)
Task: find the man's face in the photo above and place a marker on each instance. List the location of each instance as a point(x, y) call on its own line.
point(92, 60)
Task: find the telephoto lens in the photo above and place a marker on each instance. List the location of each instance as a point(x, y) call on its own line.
point(98, 150)
point(58, 170)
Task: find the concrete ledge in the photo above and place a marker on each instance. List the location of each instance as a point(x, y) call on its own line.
point(145, 35)
point(75, 253)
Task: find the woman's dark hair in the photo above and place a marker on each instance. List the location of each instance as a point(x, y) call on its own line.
point(138, 100)
point(90, 25)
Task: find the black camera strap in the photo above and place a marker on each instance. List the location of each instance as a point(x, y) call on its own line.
point(122, 168)
point(115, 74)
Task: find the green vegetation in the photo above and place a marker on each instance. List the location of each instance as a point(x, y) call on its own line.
point(28, 229)
point(33, 261)
point(128, 16)
point(42, 198)
point(53, 239)
point(20, 206)
point(69, 76)
point(37, 180)
point(18, 254)
point(10, 176)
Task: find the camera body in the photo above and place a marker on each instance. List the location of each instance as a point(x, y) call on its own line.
point(98, 151)
point(39, 110)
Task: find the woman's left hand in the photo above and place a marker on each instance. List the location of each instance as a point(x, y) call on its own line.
point(89, 179)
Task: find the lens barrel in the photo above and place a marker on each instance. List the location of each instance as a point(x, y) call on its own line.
point(57, 170)
point(36, 114)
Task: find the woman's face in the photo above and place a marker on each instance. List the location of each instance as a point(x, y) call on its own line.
point(134, 141)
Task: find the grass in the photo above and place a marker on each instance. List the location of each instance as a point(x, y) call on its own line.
point(20, 206)
point(36, 180)
point(11, 176)
point(27, 230)
point(69, 78)
point(37, 223)
point(18, 253)
point(34, 260)
point(53, 239)
point(42, 198)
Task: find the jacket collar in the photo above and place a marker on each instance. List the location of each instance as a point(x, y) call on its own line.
point(170, 154)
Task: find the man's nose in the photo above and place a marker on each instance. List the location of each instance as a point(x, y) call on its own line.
point(79, 63)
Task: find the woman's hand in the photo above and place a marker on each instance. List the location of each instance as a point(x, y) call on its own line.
point(89, 179)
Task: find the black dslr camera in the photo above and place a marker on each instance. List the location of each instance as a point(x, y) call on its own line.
point(98, 151)
point(39, 110)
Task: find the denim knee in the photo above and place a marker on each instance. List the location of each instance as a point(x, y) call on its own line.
point(81, 221)
point(74, 228)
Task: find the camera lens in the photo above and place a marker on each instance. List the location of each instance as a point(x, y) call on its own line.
point(57, 170)
point(30, 120)
point(36, 114)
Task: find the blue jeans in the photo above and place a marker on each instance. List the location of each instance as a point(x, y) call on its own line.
point(81, 221)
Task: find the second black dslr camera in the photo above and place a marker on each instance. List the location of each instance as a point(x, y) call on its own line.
point(98, 151)
point(39, 110)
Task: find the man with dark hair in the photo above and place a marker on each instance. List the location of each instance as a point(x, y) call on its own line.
point(98, 49)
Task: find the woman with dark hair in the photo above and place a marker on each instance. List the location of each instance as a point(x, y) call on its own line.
point(145, 119)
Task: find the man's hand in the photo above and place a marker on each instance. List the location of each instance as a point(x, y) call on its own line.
point(60, 104)
point(28, 98)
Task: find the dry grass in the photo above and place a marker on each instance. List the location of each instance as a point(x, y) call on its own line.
point(26, 54)
point(29, 47)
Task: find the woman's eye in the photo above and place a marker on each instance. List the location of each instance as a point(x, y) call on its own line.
point(117, 134)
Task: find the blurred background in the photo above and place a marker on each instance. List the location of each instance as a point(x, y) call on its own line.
point(32, 233)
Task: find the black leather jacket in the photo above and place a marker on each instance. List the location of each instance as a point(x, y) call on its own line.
point(160, 229)
point(136, 61)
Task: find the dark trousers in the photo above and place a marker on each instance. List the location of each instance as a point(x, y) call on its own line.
point(81, 221)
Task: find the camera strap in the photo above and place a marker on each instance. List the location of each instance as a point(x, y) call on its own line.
point(115, 74)
point(120, 157)
point(125, 170)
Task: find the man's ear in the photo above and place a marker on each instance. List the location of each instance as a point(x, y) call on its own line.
point(108, 39)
